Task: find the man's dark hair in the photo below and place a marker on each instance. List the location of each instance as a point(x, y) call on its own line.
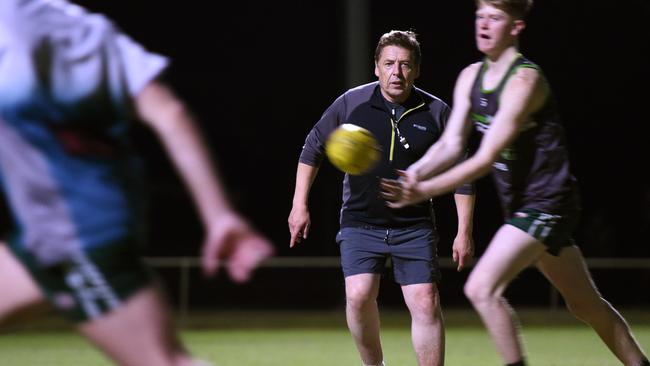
point(404, 39)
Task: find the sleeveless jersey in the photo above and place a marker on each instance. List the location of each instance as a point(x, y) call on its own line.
point(533, 172)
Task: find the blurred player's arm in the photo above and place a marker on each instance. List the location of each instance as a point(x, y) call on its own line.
point(523, 94)
point(227, 234)
point(451, 145)
point(169, 118)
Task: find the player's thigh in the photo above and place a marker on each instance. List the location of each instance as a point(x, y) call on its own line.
point(569, 274)
point(137, 333)
point(510, 252)
point(17, 287)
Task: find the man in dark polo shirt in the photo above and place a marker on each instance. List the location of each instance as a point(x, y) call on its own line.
point(406, 121)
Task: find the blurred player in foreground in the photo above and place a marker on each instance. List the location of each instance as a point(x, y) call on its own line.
point(506, 98)
point(70, 83)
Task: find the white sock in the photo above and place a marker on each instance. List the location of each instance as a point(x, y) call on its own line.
point(196, 362)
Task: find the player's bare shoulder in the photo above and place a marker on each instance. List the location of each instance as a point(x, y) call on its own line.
point(466, 78)
point(527, 77)
point(528, 87)
point(471, 71)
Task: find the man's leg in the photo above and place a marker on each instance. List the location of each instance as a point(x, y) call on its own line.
point(427, 329)
point(138, 333)
point(510, 251)
point(569, 274)
point(18, 290)
point(362, 314)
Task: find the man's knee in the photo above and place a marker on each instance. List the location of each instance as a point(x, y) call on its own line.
point(358, 299)
point(360, 291)
point(423, 302)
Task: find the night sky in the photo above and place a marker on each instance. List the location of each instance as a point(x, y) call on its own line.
point(258, 75)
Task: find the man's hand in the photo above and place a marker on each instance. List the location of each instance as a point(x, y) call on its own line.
point(463, 250)
point(299, 223)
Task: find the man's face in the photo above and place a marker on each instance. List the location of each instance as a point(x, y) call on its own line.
point(396, 72)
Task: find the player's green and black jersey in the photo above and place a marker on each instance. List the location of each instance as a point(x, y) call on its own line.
point(421, 122)
point(533, 172)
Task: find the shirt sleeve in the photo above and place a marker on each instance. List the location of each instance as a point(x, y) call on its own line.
point(138, 65)
point(314, 148)
point(113, 64)
point(88, 67)
point(466, 189)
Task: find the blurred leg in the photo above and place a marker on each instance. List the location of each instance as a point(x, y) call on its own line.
point(17, 288)
point(427, 328)
point(362, 315)
point(138, 333)
point(569, 274)
point(510, 252)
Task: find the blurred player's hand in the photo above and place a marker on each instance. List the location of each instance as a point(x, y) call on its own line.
point(231, 239)
point(404, 191)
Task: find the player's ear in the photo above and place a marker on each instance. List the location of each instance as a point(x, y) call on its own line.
point(518, 27)
point(376, 69)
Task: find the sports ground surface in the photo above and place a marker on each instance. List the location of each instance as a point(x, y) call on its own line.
point(229, 338)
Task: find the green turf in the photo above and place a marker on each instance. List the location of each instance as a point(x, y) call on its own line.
point(321, 339)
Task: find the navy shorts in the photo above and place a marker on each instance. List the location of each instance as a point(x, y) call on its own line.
point(412, 251)
point(554, 231)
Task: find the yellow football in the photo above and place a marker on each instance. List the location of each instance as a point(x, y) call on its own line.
point(352, 149)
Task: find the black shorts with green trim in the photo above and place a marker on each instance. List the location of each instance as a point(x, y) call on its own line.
point(92, 282)
point(554, 231)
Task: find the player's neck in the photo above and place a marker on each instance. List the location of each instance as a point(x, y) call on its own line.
point(499, 63)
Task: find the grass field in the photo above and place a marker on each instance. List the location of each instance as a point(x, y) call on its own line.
point(321, 339)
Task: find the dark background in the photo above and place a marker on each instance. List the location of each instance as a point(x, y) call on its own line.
point(258, 75)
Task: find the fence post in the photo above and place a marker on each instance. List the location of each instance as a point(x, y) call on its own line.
point(554, 298)
point(184, 289)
